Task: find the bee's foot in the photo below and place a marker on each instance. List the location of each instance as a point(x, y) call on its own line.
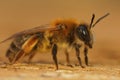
point(82, 66)
point(89, 65)
point(69, 65)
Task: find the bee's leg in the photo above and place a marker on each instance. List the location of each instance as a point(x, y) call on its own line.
point(77, 46)
point(31, 56)
point(67, 58)
point(86, 57)
point(54, 53)
point(18, 56)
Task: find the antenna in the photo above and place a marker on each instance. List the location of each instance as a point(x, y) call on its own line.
point(100, 19)
point(93, 17)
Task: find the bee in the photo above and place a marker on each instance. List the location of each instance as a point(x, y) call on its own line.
point(48, 38)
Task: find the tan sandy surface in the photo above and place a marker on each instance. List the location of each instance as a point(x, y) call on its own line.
point(104, 58)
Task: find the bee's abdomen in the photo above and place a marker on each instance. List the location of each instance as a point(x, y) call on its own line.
point(12, 51)
point(15, 47)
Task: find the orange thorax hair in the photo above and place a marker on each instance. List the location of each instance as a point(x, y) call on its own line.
point(69, 23)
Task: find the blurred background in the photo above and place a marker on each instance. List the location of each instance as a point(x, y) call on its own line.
point(18, 15)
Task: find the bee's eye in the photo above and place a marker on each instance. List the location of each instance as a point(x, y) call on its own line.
point(83, 30)
point(83, 33)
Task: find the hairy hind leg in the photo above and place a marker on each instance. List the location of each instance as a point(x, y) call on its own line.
point(18, 57)
point(31, 56)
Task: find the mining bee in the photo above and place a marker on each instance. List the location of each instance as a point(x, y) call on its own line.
point(59, 34)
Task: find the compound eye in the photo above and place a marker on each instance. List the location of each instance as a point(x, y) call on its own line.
point(83, 33)
point(82, 30)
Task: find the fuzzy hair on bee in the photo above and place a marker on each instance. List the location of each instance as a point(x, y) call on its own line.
point(48, 38)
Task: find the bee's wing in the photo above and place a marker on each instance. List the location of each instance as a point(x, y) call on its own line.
point(34, 30)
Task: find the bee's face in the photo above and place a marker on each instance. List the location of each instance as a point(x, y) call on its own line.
point(84, 34)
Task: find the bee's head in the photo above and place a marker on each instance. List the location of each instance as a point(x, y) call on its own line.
point(83, 31)
point(84, 34)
